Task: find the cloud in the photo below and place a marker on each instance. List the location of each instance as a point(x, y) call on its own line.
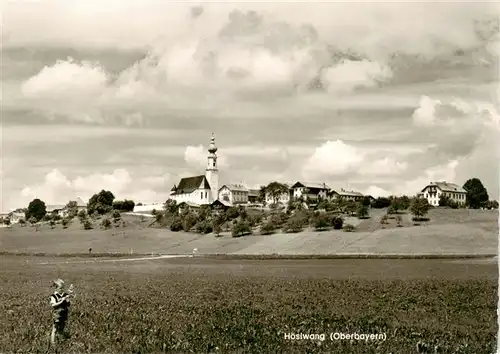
point(66, 78)
point(445, 172)
point(350, 75)
point(222, 55)
point(57, 188)
point(196, 156)
point(336, 158)
point(376, 192)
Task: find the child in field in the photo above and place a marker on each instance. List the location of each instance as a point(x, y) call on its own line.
point(60, 303)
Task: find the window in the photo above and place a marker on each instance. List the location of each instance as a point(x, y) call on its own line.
point(201, 195)
point(206, 194)
point(213, 164)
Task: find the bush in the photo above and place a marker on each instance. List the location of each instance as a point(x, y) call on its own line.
point(106, 223)
point(176, 224)
point(203, 227)
point(268, 228)
point(87, 225)
point(293, 225)
point(349, 228)
point(337, 222)
point(52, 223)
point(384, 219)
point(22, 222)
point(65, 223)
point(232, 213)
point(116, 215)
point(321, 222)
point(279, 218)
point(188, 221)
point(241, 228)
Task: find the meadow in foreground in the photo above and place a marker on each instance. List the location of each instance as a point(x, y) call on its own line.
point(119, 312)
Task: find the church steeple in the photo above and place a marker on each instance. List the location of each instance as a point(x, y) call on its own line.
point(212, 149)
point(212, 172)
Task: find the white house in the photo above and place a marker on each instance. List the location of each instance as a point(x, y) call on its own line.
point(202, 189)
point(310, 190)
point(433, 191)
point(234, 194)
point(283, 199)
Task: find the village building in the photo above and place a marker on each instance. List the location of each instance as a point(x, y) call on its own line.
point(350, 195)
point(284, 198)
point(314, 191)
point(434, 190)
point(202, 189)
point(234, 194)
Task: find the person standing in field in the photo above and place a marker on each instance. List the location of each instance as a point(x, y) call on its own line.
point(60, 303)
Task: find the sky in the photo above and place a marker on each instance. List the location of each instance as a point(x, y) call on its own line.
point(381, 98)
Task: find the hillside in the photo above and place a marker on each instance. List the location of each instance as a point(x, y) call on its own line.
point(447, 232)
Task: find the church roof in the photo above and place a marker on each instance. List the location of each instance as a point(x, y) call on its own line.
point(190, 184)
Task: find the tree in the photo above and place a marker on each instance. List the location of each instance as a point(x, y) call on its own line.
point(268, 228)
point(350, 207)
point(381, 202)
point(293, 225)
point(124, 205)
point(171, 206)
point(362, 212)
point(106, 223)
point(72, 209)
point(101, 203)
point(366, 201)
point(36, 209)
point(419, 207)
point(404, 202)
point(477, 194)
point(241, 228)
point(262, 195)
point(276, 190)
point(321, 222)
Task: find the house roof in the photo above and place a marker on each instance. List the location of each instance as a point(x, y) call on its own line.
point(349, 193)
point(80, 202)
point(226, 204)
point(447, 187)
point(194, 205)
point(316, 185)
point(190, 184)
point(235, 187)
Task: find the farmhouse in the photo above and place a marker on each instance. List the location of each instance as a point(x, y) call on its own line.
point(304, 190)
point(433, 191)
point(284, 198)
point(350, 195)
point(202, 189)
point(234, 194)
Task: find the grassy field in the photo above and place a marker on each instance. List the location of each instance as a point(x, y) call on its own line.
point(448, 231)
point(248, 306)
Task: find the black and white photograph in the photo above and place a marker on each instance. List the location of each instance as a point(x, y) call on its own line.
point(249, 177)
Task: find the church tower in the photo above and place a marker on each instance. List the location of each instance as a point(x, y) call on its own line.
point(212, 172)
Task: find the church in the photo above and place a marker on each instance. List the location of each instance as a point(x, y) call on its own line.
point(202, 189)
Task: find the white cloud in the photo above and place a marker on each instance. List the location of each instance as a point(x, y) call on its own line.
point(376, 192)
point(57, 188)
point(382, 167)
point(66, 78)
point(196, 156)
point(336, 158)
point(425, 114)
point(445, 172)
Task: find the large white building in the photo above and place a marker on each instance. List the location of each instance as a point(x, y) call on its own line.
point(312, 190)
point(433, 191)
point(202, 189)
point(234, 194)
